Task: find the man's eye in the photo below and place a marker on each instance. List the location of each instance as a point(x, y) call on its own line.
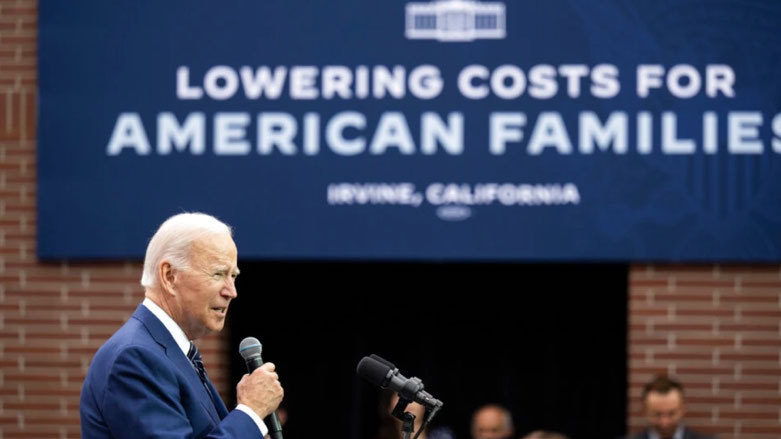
point(217, 275)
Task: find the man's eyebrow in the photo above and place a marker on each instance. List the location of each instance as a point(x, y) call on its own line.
point(224, 268)
point(221, 268)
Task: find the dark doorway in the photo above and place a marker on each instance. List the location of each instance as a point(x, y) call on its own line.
point(547, 341)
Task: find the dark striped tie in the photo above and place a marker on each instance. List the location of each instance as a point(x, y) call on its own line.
point(195, 358)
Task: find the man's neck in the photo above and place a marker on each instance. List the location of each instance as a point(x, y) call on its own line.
point(165, 318)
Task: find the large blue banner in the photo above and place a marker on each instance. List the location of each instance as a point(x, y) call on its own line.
point(451, 130)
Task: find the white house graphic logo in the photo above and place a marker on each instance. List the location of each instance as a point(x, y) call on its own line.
point(455, 20)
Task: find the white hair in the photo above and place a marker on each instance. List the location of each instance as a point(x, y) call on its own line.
point(173, 240)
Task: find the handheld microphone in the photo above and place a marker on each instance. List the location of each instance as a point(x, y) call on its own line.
point(250, 349)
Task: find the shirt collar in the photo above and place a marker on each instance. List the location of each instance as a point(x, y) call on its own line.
point(176, 332)
point(652, 434)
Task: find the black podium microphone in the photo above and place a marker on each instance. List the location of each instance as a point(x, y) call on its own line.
point(383, 373)
point(250, 349)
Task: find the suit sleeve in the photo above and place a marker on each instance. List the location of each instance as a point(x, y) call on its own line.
point(143, 399)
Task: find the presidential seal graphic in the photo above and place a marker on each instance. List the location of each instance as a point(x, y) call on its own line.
point(455, 20)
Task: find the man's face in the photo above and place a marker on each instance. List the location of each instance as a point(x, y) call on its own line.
point(664, 411)
point(490, 423)
point(205, 289)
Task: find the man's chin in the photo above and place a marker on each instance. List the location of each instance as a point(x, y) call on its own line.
point(217, 325)
point(665, 433)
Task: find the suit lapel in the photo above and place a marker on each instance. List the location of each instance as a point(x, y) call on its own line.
point(161, 335)
point(222, 411)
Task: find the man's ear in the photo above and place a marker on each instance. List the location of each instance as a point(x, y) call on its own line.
point(167, 275)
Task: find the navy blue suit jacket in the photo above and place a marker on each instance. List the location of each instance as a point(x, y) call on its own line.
point(141, 385)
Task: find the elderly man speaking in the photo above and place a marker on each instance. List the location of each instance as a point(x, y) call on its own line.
point(148, 379)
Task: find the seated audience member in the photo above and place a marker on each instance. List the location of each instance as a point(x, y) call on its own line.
point(492, 421)
point(664, 408)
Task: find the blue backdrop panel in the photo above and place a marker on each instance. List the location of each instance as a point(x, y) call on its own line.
point(516, 130)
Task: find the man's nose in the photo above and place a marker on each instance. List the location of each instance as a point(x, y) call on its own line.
point(229, 289)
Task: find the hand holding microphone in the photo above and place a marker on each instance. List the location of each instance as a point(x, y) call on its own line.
point(260, 389)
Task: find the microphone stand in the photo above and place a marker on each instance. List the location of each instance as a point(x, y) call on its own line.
point(407, 418)
point(408, 425)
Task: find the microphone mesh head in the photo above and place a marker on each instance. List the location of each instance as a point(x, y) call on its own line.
point(250, 347)
point(373, 371)
point(383, 361)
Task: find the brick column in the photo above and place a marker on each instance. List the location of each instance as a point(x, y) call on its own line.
point(717, 329)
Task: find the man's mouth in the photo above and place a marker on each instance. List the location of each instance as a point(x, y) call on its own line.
point(220, 310)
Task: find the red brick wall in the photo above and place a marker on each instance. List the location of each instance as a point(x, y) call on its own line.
point(53, 319)
point(716, 328)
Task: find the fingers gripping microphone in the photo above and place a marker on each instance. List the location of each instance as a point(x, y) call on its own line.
point(250, 349)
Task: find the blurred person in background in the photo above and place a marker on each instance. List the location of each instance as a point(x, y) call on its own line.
point(492, 421)
point(664, 409)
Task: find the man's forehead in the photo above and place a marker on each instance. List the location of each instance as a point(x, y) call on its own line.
point(489, 415)
point(658, 400)
point(214, 250)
